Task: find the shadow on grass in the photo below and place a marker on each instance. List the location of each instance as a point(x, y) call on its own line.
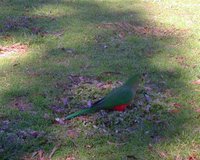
point(123, 41)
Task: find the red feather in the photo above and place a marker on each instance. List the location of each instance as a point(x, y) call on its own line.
point(120, 107)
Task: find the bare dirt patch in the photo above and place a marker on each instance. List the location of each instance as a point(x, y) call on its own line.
point(20, 103)
point(16, 48)
point(30, 24)
point(125, 28)
point(81, 89)
point(13, 23)
point(182, 61)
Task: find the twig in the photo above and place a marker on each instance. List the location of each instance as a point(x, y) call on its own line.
point(54, 150)
point(34, 154)
point(116, 144)
point(74, 143)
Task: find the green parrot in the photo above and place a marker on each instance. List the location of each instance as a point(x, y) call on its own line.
point(118, 99)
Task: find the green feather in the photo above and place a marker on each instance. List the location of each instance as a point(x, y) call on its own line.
point(81, 112)
point(118, 96)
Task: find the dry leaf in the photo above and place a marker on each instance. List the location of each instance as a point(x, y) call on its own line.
point(150, 147)
point(42, 155)
point(162, 154)
point(198, 110)
point(72, 133)
point(192, 157)
point(70, 158)
point(174, 111)
point(65, 101)
point(59, 121)
point(89, 103)
point(177, 105)
point(88, 146)
point(196, 82)
point(83, 118)
point(178, 157)
point(57, 109)
point(21, 103)
point(34, 134)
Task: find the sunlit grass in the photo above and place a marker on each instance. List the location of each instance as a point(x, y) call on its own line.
point(66, 37)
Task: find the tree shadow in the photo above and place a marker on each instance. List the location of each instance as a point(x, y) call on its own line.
point(124, 41)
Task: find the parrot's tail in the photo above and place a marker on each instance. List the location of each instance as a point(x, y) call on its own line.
point(81, 112)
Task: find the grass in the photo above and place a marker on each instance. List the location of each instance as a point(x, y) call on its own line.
point(94, 38)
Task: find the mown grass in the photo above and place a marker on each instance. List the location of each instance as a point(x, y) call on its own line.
point(70, 38)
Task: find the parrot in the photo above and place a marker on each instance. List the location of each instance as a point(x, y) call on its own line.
point(118, 99)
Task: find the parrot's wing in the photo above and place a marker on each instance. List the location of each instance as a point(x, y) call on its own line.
point(119, 96)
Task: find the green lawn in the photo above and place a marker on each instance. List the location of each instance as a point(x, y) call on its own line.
point(53, 50)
